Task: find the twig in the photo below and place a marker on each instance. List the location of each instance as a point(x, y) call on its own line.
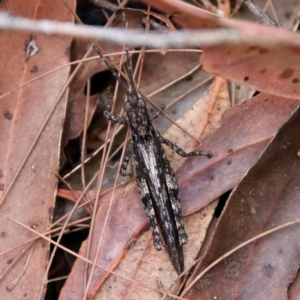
point(207, 38)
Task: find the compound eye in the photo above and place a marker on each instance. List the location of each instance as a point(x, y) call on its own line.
point(142, 102)
point(127, 106)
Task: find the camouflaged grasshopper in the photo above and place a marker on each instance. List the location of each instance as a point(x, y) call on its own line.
point(155, 177)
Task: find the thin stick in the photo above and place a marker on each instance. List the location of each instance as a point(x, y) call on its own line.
point(193, 38)
point(85, 125)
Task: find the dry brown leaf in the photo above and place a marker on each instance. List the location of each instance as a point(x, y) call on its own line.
point(201, 119)
point(274, 70)
point(28, 181)
point(244, 133)
point(268, 196)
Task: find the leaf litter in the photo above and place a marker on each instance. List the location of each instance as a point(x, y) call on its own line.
point(223, 159)
point(255, 143)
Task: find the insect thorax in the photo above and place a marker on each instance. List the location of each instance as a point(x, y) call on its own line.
point(138, 116)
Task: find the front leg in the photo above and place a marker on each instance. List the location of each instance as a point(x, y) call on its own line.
point(182, 153)
point(158, 111)
point(109, 116)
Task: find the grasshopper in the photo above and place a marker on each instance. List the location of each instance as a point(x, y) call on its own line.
point(155, 178)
